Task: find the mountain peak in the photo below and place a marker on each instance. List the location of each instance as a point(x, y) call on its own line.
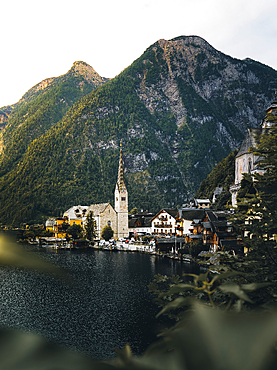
point(87, 72)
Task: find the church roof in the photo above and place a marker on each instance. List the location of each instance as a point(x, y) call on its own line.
point(249, 141)
point(273, 105)
point(97, 209)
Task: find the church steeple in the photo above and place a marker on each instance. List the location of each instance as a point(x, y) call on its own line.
point(120, 177)
point(121, 200)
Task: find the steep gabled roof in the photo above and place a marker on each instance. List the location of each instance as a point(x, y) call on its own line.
point(171, 211)
point(249, 141)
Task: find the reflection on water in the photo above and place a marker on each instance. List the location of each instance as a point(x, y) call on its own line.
point(106, 304)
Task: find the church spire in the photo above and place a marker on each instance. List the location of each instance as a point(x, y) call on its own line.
point(120, 178)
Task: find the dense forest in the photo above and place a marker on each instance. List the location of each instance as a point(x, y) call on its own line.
point(60, 146)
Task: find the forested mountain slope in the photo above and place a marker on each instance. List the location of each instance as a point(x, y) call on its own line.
point(179, 109)
point(41, 108)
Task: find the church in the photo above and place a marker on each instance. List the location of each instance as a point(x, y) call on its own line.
point(103, 213)
point(246, 161)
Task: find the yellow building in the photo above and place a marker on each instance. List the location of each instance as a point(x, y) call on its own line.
point(60, 226)
point(76, 215)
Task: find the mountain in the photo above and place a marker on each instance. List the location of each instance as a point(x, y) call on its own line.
point(179, 109)
point(42, 107)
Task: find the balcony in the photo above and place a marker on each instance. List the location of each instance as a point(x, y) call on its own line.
point(162, 218)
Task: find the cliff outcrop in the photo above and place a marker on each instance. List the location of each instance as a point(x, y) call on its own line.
point(179, 109)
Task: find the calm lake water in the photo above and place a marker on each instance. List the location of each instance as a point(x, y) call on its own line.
point(107, 304)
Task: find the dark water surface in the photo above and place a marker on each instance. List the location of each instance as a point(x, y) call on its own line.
point(107, 304)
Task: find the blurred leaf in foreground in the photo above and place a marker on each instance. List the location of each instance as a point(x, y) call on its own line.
point(12, 255)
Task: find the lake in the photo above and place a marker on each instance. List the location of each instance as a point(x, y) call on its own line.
point(106, 305)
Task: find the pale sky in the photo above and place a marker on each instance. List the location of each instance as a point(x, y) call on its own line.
point(42, 39)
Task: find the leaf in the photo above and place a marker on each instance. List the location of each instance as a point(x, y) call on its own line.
point(177, 303)
point(227, 275)
point(13, 256)
point(235, 289)
point(254, 286)
point(202, 277)
point(176, 289)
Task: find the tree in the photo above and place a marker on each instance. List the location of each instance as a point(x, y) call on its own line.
point(256, 214)
point(107, 232)
point(75, 231)
point(134, 211)
point(90, 227)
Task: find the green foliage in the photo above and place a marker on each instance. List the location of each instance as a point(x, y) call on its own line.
point(76, 231)
point(61, 142)
point(107, 233)
point(177, 294)
point(90, 227)
point(194, 248)
point(223, 175)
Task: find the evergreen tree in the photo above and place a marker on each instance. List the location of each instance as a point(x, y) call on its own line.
point(90, 227)
point(75, 231)
point(107, 233)
point(256, 215)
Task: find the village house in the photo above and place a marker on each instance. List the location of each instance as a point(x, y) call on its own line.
point(214, 230)
point(184, 219)
point(140, 224)
point(49, 224)
point(76, 215)
point(164, 222)
point(200, 203)
point(60, 226)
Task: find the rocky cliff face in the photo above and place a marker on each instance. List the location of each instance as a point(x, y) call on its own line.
point(236, 89)
point(179, 109)
point(202, 100)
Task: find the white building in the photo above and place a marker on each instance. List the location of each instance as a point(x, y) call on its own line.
point(164, 222)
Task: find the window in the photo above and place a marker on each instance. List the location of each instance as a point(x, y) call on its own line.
point(123, 199)
point(249, 165)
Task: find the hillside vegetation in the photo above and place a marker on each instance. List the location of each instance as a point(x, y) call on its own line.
point(179, 109)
